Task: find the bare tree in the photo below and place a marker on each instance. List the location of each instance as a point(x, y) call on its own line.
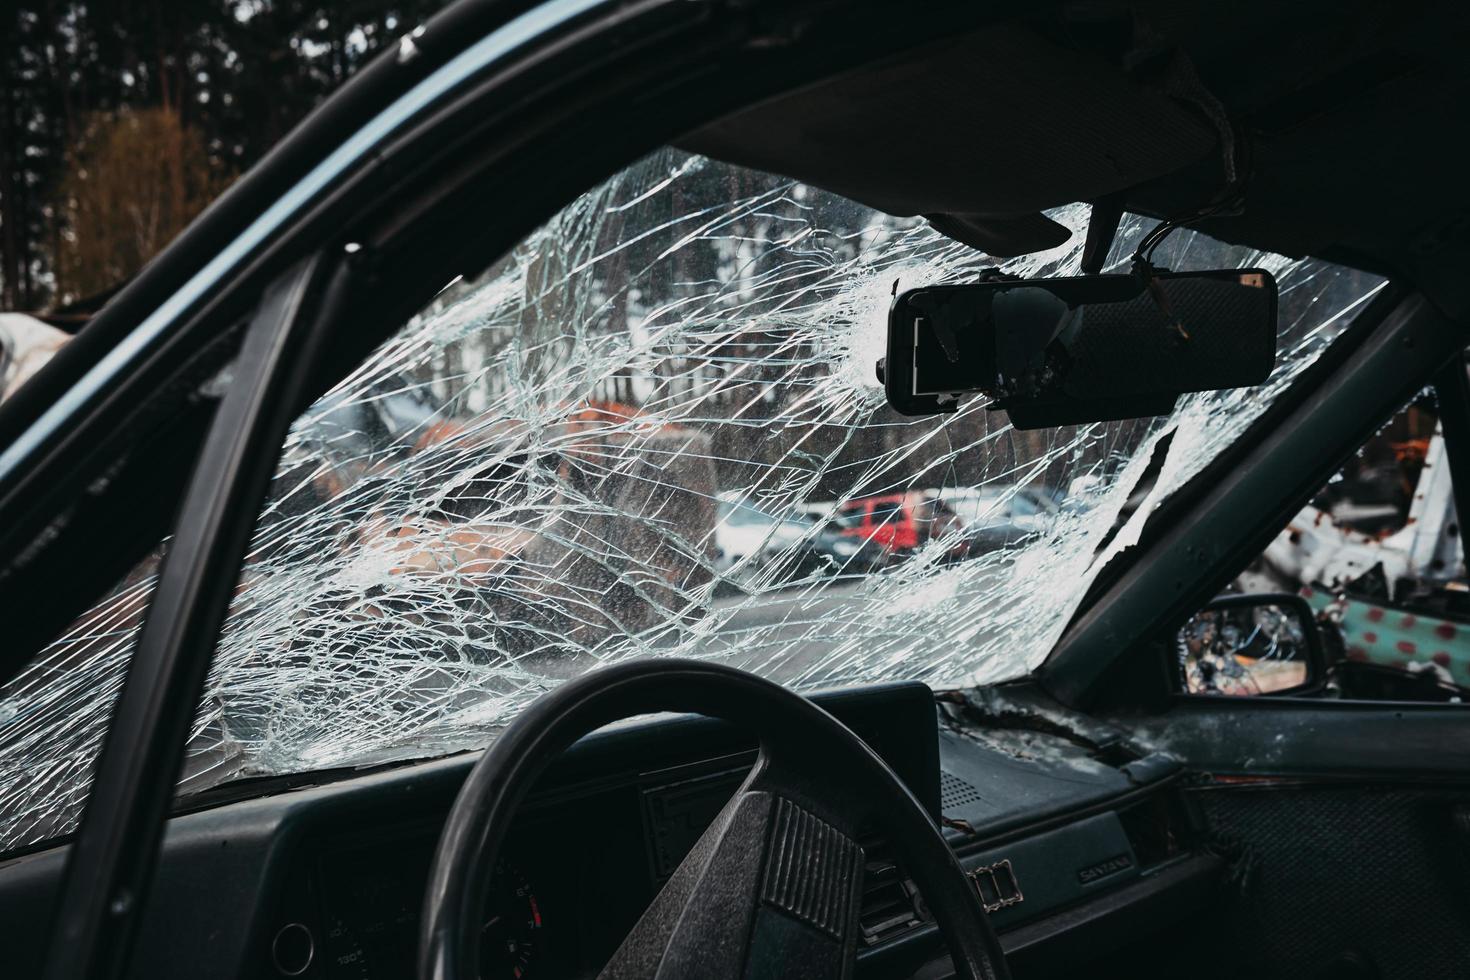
point(132, 181)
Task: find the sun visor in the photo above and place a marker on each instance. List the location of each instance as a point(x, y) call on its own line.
point(978, 133)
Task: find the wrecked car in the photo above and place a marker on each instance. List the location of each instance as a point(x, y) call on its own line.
point(1379, 557)
point(362, 565)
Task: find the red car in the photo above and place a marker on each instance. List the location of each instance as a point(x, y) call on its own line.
point(900, 522)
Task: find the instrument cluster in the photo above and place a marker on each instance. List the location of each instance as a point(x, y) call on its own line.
point(565, 892)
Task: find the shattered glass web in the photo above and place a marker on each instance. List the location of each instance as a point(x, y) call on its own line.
point(526, 482)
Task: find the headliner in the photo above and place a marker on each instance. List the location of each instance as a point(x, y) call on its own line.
point(1350, 114)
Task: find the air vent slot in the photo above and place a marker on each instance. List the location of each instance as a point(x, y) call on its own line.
point(955, 792)
point(888, 909)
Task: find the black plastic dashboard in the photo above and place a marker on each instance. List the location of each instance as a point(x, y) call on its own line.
point(1067, 837)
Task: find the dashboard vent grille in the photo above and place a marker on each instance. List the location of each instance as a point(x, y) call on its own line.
point(888, 908)
point(956, 792)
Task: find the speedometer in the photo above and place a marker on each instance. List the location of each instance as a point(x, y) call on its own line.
point(512, 931)
point(348, 957)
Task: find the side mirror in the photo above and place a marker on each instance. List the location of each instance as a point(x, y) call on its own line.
point(1249, 646)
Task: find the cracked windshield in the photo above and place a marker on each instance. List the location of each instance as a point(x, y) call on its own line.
point(653, 428)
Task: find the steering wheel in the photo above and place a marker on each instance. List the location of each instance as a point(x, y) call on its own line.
point(771, 889)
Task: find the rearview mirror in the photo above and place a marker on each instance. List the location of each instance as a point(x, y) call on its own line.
point(1085, 349)
point(1251, 645)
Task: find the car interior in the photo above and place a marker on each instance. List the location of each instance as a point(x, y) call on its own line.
point(381, 620)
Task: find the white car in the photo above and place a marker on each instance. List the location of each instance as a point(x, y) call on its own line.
point(748, 538)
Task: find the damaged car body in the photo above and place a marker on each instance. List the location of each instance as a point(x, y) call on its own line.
point(487, 543)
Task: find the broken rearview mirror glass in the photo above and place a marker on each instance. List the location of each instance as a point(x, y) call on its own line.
point(1080, 349)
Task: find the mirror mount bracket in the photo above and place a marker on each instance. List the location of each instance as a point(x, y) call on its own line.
point(1102, 229)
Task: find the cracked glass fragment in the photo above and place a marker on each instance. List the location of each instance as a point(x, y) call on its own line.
point(654, 429)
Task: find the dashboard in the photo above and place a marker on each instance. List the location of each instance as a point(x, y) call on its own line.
point(561, 899)
point(1072, 840)
point(586, 855)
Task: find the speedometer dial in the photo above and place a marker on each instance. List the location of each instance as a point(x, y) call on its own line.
point(512, 932)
